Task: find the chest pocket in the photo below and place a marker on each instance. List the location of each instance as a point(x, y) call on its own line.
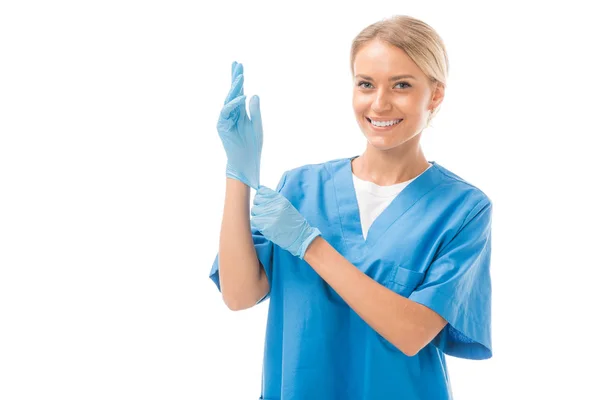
point(403, 281)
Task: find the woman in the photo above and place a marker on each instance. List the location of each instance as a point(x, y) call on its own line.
point(376, 266)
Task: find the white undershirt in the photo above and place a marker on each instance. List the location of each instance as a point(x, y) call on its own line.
point(373, 199)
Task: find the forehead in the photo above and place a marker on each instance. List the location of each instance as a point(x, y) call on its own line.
point(379, 59)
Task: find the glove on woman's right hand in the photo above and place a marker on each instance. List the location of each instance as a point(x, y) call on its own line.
point(242, 137)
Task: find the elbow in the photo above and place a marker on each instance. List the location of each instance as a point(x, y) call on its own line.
point(421, 337)
point(407, 349)
point(408, 346)
point(233, 297)
point(234, 304)
point(412, 340)
point(411, 352)
point(239, 298)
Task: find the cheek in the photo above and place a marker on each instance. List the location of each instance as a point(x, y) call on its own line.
point(359, 103)
point(416, 105)
point(355, 101)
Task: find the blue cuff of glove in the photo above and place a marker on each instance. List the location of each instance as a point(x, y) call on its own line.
point(230, 173)
point(315, 232)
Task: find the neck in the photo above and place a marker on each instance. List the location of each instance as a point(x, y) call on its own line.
point(388, 167)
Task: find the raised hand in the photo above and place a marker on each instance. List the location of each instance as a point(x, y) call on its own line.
point(242, 137)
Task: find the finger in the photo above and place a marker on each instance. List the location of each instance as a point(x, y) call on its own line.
point(256, 120)
point(229, 107)
point(234, 92)
point(259, 200)
point(233, 65)
point(237, 69)
point(255, 213)
point(264, 191)
point(260, 197)
point(264, 211)
point(233, 104)
point(264, 196)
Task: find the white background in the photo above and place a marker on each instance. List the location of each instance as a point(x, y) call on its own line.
point(112, 183)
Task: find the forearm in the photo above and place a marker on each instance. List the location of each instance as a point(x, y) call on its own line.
point(242, 279)
point(404, 323)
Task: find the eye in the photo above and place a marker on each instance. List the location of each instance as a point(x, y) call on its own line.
point(404, 83)
point(368, 83)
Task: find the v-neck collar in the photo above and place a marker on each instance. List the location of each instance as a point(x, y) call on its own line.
point(349, 213)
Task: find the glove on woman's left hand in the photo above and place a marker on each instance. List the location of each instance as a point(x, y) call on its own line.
point(280, 222)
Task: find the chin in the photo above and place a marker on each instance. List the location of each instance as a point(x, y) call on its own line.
point(384, 142)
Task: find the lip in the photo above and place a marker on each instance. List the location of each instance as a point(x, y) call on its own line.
point(382, 119)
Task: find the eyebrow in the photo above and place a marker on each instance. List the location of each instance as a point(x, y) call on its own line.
point(393, 78)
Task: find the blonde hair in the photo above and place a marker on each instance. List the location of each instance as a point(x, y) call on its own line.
point(417, 39)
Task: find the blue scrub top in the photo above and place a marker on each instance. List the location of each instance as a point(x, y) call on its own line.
point(432, 244)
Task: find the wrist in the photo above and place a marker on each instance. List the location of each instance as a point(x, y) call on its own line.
point(237, 192)
point(314, 234)
point(233, 174)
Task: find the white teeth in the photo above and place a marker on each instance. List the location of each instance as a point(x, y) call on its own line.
point(385, 123)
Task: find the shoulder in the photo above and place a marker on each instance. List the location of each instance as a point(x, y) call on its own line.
point(463, 196)
point(459, 186)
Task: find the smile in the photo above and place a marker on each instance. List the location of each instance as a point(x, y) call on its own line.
point(383, 125)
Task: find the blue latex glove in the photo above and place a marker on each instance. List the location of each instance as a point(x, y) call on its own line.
point(242, 137)
point(279, 221)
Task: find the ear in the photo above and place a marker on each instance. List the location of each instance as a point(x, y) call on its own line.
point(437, 95)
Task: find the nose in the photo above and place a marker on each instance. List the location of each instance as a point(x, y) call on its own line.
point(381, 103)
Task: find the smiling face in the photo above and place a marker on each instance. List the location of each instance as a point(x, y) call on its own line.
point(388, 87)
